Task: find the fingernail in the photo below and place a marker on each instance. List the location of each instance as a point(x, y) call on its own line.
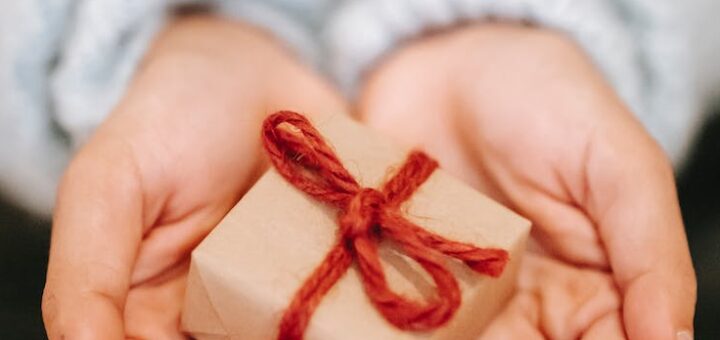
point(684, 335)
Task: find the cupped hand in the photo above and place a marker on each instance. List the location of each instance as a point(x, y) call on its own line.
point(160, 172)
point(522, 114)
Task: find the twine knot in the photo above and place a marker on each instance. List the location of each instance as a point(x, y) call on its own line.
point(299, 153)
point(361, 214)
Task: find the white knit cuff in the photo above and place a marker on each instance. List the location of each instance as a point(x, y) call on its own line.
point(361, 32)
point(294, 34)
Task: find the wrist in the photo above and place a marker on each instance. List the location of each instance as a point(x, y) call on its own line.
point(219, 48)
point(483, 55)
point(513, 55)
point(500, 68)
point(202, 65)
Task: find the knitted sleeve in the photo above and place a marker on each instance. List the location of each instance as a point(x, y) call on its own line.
point(647, 49)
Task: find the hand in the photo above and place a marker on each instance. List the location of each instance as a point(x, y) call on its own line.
point(523, 115)
point(165, 167)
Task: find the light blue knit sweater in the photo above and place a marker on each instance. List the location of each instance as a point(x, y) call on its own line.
point(65, 63)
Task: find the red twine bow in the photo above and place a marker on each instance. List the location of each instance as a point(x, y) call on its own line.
point(300, 154)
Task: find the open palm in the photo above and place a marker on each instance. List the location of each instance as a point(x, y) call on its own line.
point(162, 170)
point(522, 114)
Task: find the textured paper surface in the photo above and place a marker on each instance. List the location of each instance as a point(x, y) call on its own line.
point(247, 270)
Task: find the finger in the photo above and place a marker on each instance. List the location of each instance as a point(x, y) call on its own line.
point(153, 308)
point(570, 298)
point(560, 227)
point(96, 232)
point(632, 197)
point(519, 320)
point(609, 327)
point(555, 301)
point(168, 244)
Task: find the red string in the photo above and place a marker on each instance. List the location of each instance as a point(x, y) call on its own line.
point(300, 154)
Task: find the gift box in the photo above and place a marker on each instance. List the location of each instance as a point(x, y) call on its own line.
point(245, 274)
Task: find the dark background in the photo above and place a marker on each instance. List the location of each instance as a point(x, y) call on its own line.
point(24, 242)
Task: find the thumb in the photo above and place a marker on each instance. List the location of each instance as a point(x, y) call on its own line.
point(633, 200)
point(96, 234)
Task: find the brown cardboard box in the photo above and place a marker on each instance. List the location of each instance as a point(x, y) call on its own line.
point(245, 273)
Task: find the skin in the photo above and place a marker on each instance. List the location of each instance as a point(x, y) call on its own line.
point(520, 113)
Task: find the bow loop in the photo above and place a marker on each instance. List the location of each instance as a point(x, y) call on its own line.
point(300, 154)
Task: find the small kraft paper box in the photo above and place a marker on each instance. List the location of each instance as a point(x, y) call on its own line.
point(246, 272)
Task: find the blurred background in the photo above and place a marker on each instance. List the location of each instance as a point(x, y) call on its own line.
point(24, 247)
